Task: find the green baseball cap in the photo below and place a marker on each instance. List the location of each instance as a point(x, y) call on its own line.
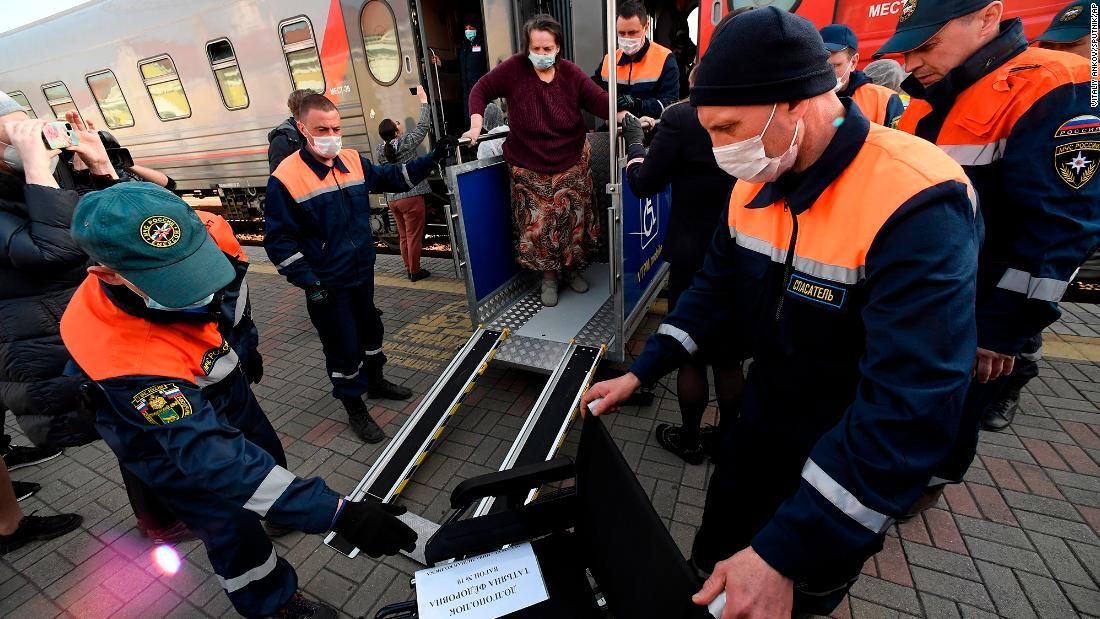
point(920, 20)
point(1069, 25)
point(153, 239)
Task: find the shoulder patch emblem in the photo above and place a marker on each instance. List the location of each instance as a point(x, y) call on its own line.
point(907, 9)
point(1076, 162)
point(1071, 13)
point(160, 231)
point(1085, 124)
point(161, 404)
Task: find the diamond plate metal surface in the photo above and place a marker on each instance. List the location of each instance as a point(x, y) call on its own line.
point(522, 311)
point(601, 328)
point(522, 284)
point(531, 353)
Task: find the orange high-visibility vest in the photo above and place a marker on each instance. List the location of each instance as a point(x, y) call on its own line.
point(645, 70)
point(872, 100)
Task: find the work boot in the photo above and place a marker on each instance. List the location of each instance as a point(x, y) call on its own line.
point(175, 533)
point(382, 389)
point(39, 529)
point(298, 607)
point(575, 281)
point(419, 275)
point(17, 456)
point(669, 437)
point(999, 414)
point(930, 497)
point(549, 292)
point(24, 489)
point(361, 422)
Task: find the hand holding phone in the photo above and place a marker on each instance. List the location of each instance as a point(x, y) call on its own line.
point(58, 134)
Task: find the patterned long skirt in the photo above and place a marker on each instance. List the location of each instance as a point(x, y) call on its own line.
point(555, 225)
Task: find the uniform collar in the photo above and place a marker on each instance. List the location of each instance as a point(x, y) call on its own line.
point(320, 169)
point(637, 57)
point(855, 80)
point(1009, 43)
point(801, 189)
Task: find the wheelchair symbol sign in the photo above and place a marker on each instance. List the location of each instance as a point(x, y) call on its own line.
point(647, 216)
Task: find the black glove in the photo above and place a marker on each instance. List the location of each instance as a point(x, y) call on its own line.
point(632, 130)
point(443, 147)
point(316, 294)
point(373, 527)
point(254, 367)
point(626, 103)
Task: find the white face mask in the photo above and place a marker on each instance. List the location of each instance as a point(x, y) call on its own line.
point(15, 162)
point(327, 146)
point(201, 303)
point(839, 85)
point(542, 62)
point(630, 46)
point(746, 160)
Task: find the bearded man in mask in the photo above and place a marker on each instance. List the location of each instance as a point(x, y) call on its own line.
point(846, 270)
point(317, 215)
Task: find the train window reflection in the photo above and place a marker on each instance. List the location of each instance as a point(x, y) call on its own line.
point(165, 88)
point(21, 99)
point(227, 73)
point(380, 41)
point(59, 99)
point(108, 96)
point(300, 50)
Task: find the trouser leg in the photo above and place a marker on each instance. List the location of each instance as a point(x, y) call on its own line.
point(397, 207)
point(369, 330)
point(337, 327)
point(150, 510)
point(248, 416)
point(414, 229)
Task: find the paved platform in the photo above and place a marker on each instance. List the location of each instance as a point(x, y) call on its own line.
point(1018, 539)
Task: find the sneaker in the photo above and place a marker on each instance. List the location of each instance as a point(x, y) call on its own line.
point(669, 438)
point(17, 456)
point(175, 533)
point(549, 292)
point(419, 275)
point(999, 415)
point(39, 529)
point(575, 281)
point(365, 427)
point(298, 607)
point(383, 389)
point(24, 489)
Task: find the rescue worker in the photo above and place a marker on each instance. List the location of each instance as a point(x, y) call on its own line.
point(1069, 30)
point(317, 217)
point(846, 270)
point(878, 103)
point(647, 75)
point(1018, 119)
point(178, 411)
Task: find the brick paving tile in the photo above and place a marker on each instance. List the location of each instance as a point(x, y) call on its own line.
point(1018, 539)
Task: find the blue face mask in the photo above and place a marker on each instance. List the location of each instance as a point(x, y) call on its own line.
point(197, 306)
point(470, 34)
point(542, 61)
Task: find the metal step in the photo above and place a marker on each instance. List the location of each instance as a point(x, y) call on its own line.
point(395, 466)
point(542, 434)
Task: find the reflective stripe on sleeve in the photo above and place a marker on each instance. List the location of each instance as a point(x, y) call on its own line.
point(271, 488)
point(289, 261)
point(975, 154)
point(260, 571)
point(680, 335)
point(371, 353)
point(242, 303)
point(1041, 288)
point(843, 500)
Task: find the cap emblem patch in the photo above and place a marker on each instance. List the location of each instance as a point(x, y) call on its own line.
point(1071, 13)
point(907, 9)
point(160, 231)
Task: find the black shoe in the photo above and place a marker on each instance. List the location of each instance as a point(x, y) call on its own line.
point(17, 456)
point(669, 438)
point(1000, 413)
point(39, 529)
point(365, 427)
point(298, 607)
point(419, 275)
point(383, 389)
point(24, 489)
point(175, 533)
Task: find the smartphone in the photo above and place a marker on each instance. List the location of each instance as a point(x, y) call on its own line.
point(59, 134)
point(120, 158)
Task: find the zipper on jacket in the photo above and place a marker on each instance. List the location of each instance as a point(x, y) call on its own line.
point(344, 199)
point(788, 267)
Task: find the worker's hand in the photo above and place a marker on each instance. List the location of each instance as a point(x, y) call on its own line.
point(626, 103)
point(472, 135)
point(443, 147)
point(648, 123)
point(374, 528)
point(992, 365)
point(632, 130)
point(317, 294)
point(611, 393)
point(89, 147)
point(436, 61)
point(753, 588)
point(36, 158)
point(421, 95)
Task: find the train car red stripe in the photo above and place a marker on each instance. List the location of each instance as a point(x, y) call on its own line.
point(335, 54)
point(192, 156)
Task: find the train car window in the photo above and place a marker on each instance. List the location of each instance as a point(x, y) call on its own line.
point(300, 49)
point(165, 88)
point(227, 73)
point(21, 99)
point(380, 41)
point(59, 99)
point(108, 96)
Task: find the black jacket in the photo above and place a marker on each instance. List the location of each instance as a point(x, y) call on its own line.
point(681, 154)
point(282, 141)
point(40, 267)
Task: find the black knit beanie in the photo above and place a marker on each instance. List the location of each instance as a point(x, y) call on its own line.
point(763, 56)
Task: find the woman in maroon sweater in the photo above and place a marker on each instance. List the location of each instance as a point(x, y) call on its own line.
point(556, 227)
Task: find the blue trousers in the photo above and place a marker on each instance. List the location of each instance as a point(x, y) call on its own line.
point(350, 330)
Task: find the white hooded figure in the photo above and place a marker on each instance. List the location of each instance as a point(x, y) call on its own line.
point(494, 122)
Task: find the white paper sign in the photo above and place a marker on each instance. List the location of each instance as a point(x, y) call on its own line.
point(483, 587)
